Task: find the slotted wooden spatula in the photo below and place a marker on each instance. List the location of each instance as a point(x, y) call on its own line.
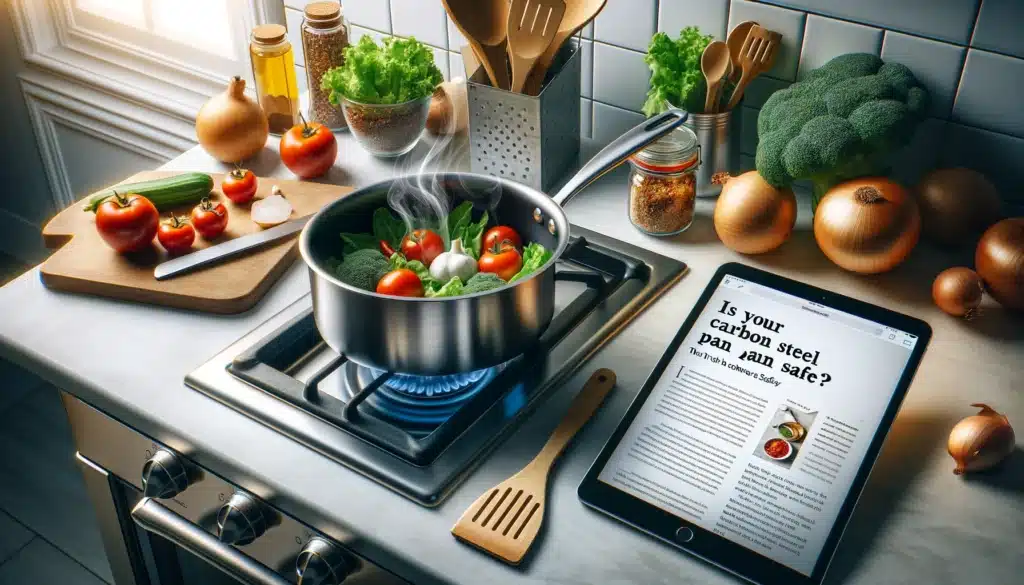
point(532, 25)
point(505, 520)
point(756, 56)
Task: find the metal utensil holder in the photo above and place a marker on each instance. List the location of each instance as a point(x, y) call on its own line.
point(530, 139)
point(718, 138)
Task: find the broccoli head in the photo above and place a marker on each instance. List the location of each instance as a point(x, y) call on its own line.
point(482, 281)
point(362, 268)
point(839, 123)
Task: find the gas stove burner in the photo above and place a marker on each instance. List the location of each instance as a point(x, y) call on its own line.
point(417, 403)
point(433, 385)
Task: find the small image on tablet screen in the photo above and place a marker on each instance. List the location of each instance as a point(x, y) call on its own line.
point(758, 426)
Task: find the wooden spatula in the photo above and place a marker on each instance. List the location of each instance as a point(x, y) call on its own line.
point(577, 14)
point(756, 57)
point(483, 23)
point(532, 25)
point(505, 520)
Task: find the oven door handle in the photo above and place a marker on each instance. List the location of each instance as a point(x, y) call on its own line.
point(156, 518)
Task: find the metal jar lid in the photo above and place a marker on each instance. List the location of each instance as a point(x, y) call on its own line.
point(269, 34)
point(673, 153)
point(323, 14)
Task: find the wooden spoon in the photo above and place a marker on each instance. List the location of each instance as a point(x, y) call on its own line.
point(484, 24)
point(532, 25)
point(577, 14)
point(715, 64)
point(756, 57)
point(736, 38)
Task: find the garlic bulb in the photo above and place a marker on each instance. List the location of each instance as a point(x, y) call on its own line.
point(981, 441)
point(455, 262)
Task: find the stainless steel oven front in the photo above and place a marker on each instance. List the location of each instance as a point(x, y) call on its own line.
point(166, 521)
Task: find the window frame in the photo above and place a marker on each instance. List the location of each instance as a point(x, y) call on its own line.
point(50, 40)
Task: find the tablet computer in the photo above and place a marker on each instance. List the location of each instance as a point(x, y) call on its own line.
point(752, 439)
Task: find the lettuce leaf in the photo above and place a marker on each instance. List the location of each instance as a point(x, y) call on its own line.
point(396, 71)
point(398, 260)
point(676, 78)
point(452, 288)
point(462, 227)
point(534, 256)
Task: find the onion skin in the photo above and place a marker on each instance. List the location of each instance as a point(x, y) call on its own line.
point(230, 126)
point(981, 441)
point(867, 225)
point(956, 205)
point(958, 291)
point(999, 260)
point(752, 217)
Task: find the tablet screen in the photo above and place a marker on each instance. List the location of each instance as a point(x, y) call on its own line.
point(758, 426)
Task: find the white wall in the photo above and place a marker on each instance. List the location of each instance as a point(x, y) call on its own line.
point(25, 200)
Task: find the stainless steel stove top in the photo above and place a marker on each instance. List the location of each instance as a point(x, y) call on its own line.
point(418, 436)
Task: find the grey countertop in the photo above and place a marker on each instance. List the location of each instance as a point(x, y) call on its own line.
point(916, 522)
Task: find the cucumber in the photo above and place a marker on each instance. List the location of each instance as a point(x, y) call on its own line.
point(164, 193)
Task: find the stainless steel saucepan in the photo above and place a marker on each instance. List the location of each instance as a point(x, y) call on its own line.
point(435, 336)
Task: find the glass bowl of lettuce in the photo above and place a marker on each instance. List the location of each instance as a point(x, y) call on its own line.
point(384, 90)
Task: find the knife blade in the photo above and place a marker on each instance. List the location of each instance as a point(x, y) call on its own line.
point(230, 249)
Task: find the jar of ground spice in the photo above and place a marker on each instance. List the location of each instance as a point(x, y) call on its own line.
point(662, 184)
point(324, 38)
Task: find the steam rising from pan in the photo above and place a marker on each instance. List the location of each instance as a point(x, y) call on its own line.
point(420, 197)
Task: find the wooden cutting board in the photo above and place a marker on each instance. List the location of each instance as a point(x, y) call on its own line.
point(83, 263)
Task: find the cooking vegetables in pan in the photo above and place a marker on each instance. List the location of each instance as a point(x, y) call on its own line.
point(395, 261)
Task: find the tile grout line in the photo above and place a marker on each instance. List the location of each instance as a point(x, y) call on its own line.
point(974, 25)
point(17, 551)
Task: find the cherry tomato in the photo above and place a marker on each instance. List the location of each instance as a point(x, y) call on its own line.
point(502, 259)
point(127, 223)
point(239, 186)
point(210, 219)
point(499, 234)
point(308, 149)
point(386, 249)
point(400, 283)
point(176, 235)
point(422, 245)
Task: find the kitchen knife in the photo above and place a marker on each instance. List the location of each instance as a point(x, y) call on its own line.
point(230, 249)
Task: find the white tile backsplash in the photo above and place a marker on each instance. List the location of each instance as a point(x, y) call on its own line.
point(375, 14)
point(926, 35)
point(709, 15)
point(627, 23)
point(789, 23)
point(621, 78)
point(293, 22)
point(423, 19)
point(825, 38)
point(610, 122)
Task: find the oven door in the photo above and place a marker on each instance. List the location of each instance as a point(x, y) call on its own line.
point(148, 544)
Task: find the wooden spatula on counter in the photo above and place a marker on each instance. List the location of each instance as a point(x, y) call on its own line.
point(532, 25)
point(756, 57)
point(505, 520)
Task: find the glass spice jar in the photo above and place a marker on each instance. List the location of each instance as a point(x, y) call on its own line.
point(324, 38)
point(273, 68)
point(663, 185)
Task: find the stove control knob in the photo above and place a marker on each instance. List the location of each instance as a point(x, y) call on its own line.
point(164, 475)
point(241, 520)
point(322, 562)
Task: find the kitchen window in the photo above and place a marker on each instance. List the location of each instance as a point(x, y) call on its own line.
point(169, 55)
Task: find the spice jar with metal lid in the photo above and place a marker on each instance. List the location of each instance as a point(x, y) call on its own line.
point(324, 38)
point(662, 184)
point(273, 68)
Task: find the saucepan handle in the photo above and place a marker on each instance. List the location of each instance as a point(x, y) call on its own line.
point(619, 150)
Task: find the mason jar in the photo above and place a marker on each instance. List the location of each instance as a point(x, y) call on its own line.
point(663, 184)
point(325, 36)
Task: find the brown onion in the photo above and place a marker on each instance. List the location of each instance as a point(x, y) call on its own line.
point(999, 260)
point(981, 441)
point(958, 291)
point(230, 126)
point(867, 225)
point(956, 205)
point(753, 217)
